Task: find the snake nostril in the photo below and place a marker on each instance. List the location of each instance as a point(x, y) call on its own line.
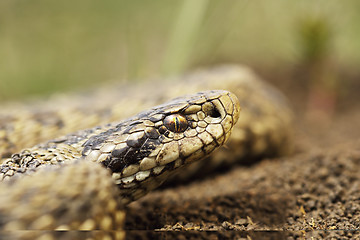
point(214, 113)
point(210, 110)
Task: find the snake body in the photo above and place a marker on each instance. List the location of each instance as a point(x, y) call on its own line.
point(139, 153)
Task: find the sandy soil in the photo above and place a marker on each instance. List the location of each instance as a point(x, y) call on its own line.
point(313, 193)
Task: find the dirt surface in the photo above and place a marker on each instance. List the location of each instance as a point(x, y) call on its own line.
point(313, 193)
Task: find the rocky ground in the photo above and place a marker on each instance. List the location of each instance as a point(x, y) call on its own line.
point(315, 192)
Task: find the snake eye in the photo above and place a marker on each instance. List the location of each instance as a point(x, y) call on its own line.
point(176, 123)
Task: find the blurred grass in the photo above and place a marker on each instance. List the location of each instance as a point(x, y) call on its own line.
point(187, 25)
point(48, 46)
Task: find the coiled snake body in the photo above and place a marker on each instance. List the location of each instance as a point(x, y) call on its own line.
point(68, 190)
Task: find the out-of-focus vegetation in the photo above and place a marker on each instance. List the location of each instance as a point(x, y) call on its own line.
point(48, 46)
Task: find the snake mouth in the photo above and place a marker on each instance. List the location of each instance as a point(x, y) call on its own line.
point(144, 150)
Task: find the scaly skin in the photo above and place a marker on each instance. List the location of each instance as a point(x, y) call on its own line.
point(264, 129)
point(68, 191)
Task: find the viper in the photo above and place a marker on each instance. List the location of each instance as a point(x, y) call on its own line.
point(84, 179)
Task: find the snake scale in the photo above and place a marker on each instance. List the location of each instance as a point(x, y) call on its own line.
point(51, 150)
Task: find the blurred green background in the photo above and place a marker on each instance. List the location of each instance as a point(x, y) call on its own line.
point(48, 46)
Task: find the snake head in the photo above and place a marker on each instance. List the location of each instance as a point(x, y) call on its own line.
point(143, 151)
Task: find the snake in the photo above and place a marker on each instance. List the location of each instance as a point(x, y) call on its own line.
point(73, 162)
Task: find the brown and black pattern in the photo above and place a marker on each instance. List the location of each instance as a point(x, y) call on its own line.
point(144, 150)
point(70, 191)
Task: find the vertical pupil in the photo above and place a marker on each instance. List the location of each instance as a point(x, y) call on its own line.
point(176, 123)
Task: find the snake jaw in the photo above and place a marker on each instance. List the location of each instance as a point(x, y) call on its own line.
point(143, 154)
